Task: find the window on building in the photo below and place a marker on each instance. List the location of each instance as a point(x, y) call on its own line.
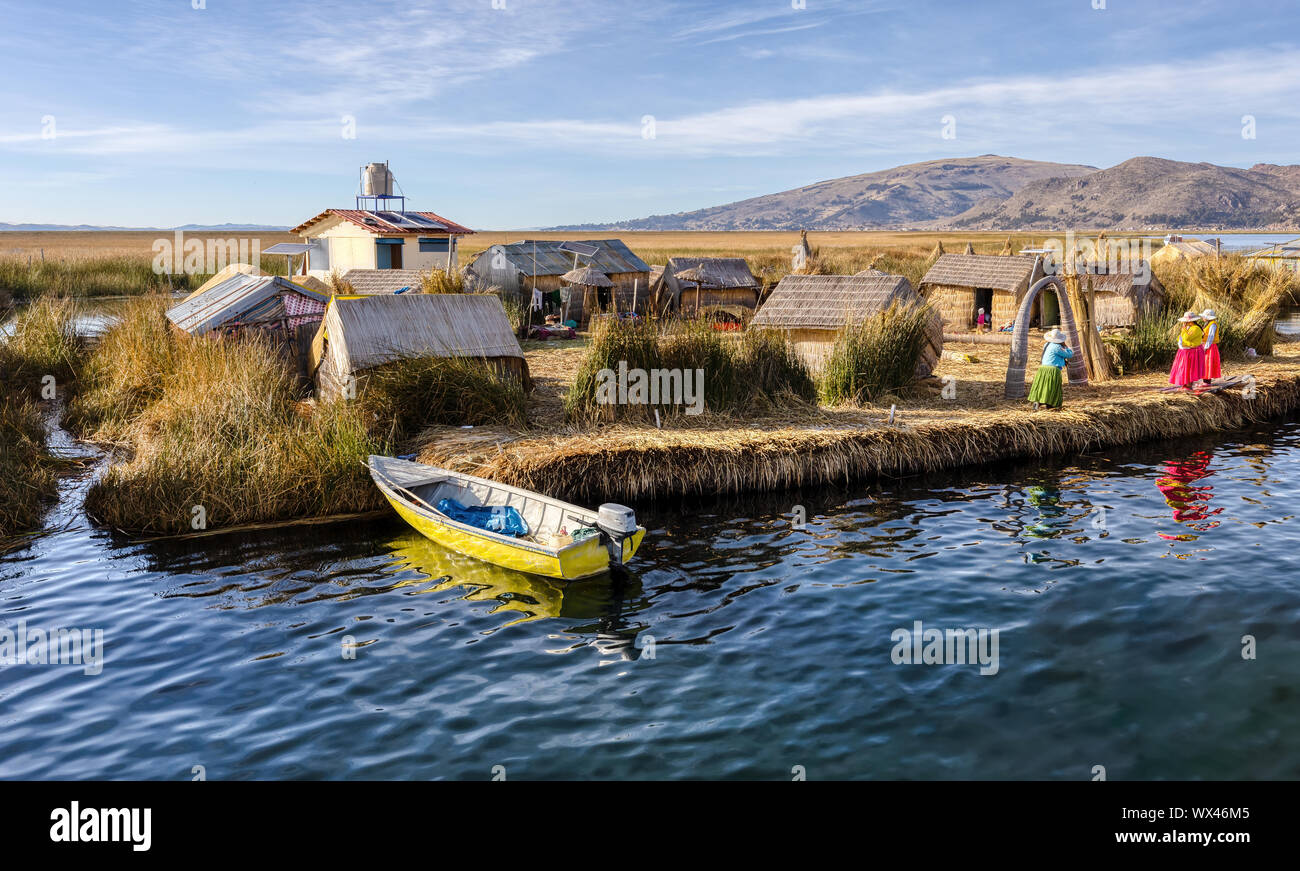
point(435, 246)
point(318, 255)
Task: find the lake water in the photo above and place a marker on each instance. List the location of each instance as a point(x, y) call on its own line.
point(1121, 587)
point(1243, 241)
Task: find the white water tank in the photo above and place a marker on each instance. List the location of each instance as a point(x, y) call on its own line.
point(376, 180)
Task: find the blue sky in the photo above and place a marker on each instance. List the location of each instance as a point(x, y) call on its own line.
point(156, 113)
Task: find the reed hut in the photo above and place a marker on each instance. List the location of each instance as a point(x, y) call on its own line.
point(959, 285)
point(1122, 298)
point(583, 281)
point(360, 333)
point(1179, 249)
point(813, 310)
point(722, 282)
point(511, 269)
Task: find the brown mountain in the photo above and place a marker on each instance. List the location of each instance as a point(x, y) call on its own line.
point(1147, 193)
point(904, 196)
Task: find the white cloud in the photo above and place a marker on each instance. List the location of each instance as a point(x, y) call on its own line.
point(1135, 104)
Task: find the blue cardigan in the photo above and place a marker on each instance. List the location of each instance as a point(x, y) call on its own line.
point(1056, 354)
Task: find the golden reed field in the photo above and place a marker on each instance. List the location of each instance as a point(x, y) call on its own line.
point(76, 244)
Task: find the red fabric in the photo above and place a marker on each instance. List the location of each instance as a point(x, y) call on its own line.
point(1189, 366)
point(302, 309)
point(1212, 368)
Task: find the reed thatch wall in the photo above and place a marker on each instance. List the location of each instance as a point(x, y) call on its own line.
point(957, 307)
point(745, 297)
point(813, 346)
point(1123, 299)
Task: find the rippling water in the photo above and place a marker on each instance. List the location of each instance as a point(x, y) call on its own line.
point(1120, 586)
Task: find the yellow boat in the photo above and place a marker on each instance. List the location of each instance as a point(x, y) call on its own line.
point(562, 540)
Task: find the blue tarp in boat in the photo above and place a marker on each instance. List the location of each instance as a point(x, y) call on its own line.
point(501, 519)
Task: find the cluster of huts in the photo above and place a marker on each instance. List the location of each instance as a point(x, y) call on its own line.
point(383, 257)
point(961, 285)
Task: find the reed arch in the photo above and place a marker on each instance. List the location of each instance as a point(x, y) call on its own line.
point(1076, 367)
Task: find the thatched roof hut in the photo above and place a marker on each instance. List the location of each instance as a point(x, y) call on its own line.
point(1182, 249)
point(721, 281)
point(381, 281)
point(1122, 298)
point(814, 309)
point(959, 285)
point(360, 333)
point(585, 276)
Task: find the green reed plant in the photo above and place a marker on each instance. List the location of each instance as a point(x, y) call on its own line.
point(753, 369)
point(876, 357)
point(406, 395)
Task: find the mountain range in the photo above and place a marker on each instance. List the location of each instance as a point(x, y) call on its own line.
point(1007, 193)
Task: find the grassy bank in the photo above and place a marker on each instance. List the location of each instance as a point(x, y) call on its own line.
point(214, 433)
point(41, 355)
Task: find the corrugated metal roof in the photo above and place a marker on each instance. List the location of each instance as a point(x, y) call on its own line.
point(831, 301)
point(381, 226)
point(612, 257)
point(364, 332)
point(980, 270)
point(373, 281)
point(241, 298)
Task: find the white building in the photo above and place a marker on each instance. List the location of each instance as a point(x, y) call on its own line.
point(344, 239)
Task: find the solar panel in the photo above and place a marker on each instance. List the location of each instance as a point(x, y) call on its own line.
point(409, 221)
point(579, 248)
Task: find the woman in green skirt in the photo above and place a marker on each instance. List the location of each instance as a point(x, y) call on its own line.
point(1046, 389)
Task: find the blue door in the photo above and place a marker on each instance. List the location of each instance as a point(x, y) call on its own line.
point(388, 254)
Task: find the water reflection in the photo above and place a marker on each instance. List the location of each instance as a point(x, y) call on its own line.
point(1189, 501)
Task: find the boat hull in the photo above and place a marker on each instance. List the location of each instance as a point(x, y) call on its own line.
point(587, 558)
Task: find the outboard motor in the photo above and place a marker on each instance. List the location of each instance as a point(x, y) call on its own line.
point(616, 524)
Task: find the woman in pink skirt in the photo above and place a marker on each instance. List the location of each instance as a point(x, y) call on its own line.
point(1189, 364)
point(1211, 345)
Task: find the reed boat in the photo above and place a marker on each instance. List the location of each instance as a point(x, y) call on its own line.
point(557, 540)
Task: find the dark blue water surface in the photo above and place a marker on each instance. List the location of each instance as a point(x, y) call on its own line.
point(1121, 586)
